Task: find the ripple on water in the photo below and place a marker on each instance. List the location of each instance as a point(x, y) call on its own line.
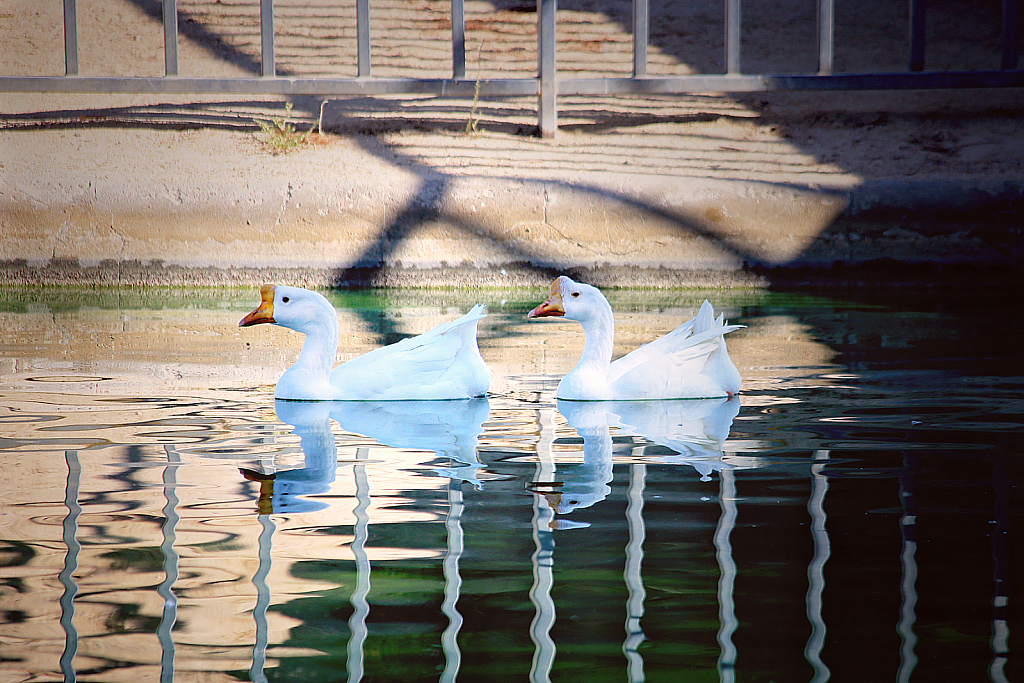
point(843, 499)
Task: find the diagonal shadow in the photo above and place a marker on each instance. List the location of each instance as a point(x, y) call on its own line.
point(194, 30)
point(427, 204)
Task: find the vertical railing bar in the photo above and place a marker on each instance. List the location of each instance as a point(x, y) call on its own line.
point(826, 36)
point(732, 36)
point(918, 10)
point(269, 69)
point(70, 38)
point(641, 36)
point(458, 39)
point(1011, 15)
point(170, 37)
point(363, 37)
point(72, 560)
point(547, 67)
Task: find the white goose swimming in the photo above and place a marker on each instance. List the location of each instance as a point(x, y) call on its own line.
point(441, 364)
point(689, 362)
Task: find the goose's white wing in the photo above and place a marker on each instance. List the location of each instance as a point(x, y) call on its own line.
point(688, 362)
point(444, 363)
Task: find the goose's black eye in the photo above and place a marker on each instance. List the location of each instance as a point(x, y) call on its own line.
point(284, 299)
point(575, 294)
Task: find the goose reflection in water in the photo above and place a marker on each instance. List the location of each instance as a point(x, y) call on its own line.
point(694, 429)
point(450, 428)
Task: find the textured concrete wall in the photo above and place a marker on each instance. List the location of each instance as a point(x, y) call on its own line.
point(494, 232)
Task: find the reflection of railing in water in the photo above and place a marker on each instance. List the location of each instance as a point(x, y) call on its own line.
point(358, 631)
point(632, 573)
point(908, 532)
point(816, 570)
point(543, 563)
point(259, 613)
point(1000, 598)
point(543, 559)
point(171, 565)
point(727, 578)
point(67, 575)
point(543, 566)
point(592, 424)
point(452, 582)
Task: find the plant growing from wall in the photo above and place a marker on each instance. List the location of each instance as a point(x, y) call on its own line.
point(279, 135)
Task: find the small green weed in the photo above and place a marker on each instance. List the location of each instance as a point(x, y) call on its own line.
point(279, 134)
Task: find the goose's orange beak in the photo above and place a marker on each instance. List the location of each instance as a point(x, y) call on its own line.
point(264, 313)
point(553, 306)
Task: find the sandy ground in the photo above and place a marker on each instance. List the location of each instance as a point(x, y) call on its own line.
point(391, 167)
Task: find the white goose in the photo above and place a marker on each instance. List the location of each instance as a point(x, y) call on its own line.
point(441, 364)
point(689, 362)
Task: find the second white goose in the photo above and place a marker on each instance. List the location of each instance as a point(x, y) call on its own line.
point(688, 362)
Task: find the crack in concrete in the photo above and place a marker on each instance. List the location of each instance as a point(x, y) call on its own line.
point(57, 240)
point(568, 238)
point(284, 207)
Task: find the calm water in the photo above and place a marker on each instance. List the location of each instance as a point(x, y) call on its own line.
point(855, 516)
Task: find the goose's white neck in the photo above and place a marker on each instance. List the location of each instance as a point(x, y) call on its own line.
point(589, 379)
point(311, 373)
point(319, 348)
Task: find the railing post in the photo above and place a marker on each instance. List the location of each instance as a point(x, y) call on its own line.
point(641, 36)
point(267, 38)
point(918, 9)
point(170, 37)
point(547, 69)
point(70, 38)
point(732, 36)
point(1010, 18)
point(363, 37)
point(458, 39)
point(826, 36)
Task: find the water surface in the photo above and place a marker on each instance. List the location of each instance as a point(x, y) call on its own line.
point(855, 515)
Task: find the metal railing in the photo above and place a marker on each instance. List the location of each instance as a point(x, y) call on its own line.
point(548, 85)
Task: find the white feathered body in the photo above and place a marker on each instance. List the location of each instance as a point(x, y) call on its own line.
point(691, 361)
point(441, 364)
point(444, 363)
